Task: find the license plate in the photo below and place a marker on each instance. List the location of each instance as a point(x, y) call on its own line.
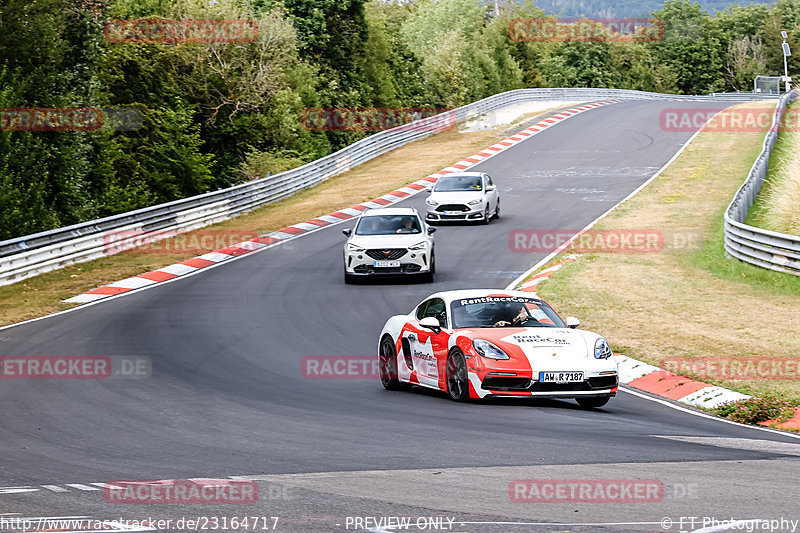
point(560, 377)
point(386, 264)
point(453, 213)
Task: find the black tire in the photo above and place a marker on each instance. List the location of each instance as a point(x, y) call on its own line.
point(433, 261)
point(457, 379)
point(592, 402)
point(387, 364)
point(486, 218)
point(497, 210)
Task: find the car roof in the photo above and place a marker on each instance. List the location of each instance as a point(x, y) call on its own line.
point(390, 211)
point(470, 174)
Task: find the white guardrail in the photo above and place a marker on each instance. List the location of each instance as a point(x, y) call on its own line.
point(760, 247)
point(30, 255)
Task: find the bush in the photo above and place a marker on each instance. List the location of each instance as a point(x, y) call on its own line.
point(757, 409)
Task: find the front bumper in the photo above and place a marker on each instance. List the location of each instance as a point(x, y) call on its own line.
point(476, 212)
point(498, 379)
point(413, 262)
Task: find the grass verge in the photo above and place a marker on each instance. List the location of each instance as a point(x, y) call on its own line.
point(688, 303)
point(43, 294)
point(777, 206)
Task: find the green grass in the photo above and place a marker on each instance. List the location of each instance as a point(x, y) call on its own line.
point(765, 213)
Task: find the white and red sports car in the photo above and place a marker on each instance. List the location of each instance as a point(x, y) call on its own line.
point(490, 342)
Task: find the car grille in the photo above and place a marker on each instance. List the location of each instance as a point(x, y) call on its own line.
point(406, 268)
point(593, 383)
point(505, 383)
point(452, 207)
point(538, 386)
point(391, 254)
point(604, 382)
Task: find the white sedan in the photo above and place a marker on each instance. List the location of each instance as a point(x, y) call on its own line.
point(463, 196)
point(390, 241)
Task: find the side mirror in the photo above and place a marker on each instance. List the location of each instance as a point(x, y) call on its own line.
point(429, 189)
point(430, 323)
point(431, 230)
point(573, 322)
point(347, 232)
point(490, 188)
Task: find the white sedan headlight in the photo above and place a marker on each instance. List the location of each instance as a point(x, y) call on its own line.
point(355, 249)
point(488, 350)
point(419, 246)
point(432, 203)
point(475, 202)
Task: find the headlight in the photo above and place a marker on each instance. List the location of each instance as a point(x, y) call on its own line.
point(355, 249)
point(488, 350)
point(601, 349)
point(475, 202)
point(431, 202)
point(419, 246)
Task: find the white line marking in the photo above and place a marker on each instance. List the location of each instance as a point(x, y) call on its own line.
point(668, 403)
point(81, 486)
point(55, 488)
point(755, 445)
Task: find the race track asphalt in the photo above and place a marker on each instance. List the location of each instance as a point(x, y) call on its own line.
point(227, 396)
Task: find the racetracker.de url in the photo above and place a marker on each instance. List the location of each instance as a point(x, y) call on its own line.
point(195, 523)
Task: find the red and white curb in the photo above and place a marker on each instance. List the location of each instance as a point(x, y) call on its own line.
point(647, 377)
point(275, 238)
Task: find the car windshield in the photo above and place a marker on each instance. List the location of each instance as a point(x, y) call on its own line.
point(503, 311)
point(388, 224)
point(458, 183)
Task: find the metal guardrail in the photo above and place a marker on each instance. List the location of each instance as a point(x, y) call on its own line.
point(34, 254)
point(760, 247)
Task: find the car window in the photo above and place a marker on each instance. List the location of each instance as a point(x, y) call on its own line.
point(458, 183)
point(489, 311)
point(434, 307)
point(388, 224)
point(489, 180)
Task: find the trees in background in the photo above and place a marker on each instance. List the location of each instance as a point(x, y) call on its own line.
point(218, 114)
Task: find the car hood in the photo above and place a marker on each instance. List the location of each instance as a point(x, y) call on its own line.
point(459, 197)
point(542, 347)
point(398, 240)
